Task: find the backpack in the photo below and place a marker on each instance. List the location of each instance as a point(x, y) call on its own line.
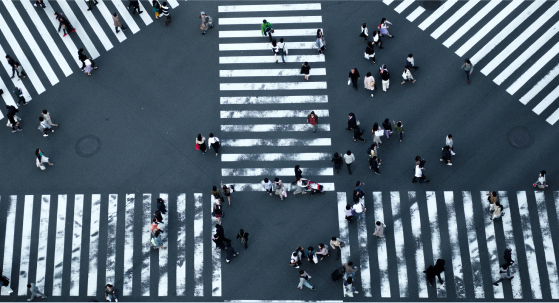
point(277, 185)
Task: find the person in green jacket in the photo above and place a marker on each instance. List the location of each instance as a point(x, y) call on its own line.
point(399, 128)
point(267, 29)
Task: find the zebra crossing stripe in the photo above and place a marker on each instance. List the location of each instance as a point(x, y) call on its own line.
point(534, 68)
point(415, 14)
point(8, 99)
point(251, 172)
point(304, 32)
point(531, 261)
point(40, 275)
point(344, 234)
point(540, 85)
point(76, 247)
point(273, 128)
point(381, 248)
point(276, 142)
point(459, 284)
point(216, 258)
point(273, 20)
point(9, 241)
point(264, 46)
point(548, 245)
point(95, 25)
point(25, 245)
point(387, 2)
point(454, 18)
point(553, 118)
point(274, 99)
point(437, 14)
point(364, 254)
point(111, 238)
point(173, 3)
point(399, 242)
point(107, 15)
point(471, 23)
point(516, 284)
point(146, 250)
point(236, 114)
point(59, 246)
point(80, 31)
point(270, 59)
point(129, 245)
point(473, 245)
point(419, 255)
point(145, 17)
point(268, 8)
point(44, 33)
point(491, 244)
point(72, 49)
point(273, 86)
point(276, 157)
point(269, 72)
point(93, 245)
point(181, 246)
point(546, 102)
point(198, 246)
point(402, 6)
point(164, 258)
point(435, 237)
point(258, 187)
point(125, 14)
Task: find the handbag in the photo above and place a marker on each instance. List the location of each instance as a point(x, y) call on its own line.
point(349, 82)
point(379, 133)
point(315, 259)
point(197, 146)
point(342, 244)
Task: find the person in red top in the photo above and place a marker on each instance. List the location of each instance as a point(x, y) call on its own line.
point(312, 119)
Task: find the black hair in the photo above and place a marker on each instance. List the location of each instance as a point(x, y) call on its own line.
point(358, 183)
point(468, 61)
point(281, 40)
point(211, 135)
point(45, 111)
point(264, 21)
point(349, 280)
point(378, 223)
point(41, 118)
point(369, 74)
point(276, 179)
point(543, 172)
point(449, 135)
point(336, 155)
point(375, 126)
point(301, 272)
point(274, 42)
point(297, 166)
point(410, 55)
point(399, 124)
point(347, 207)
point(386, 120)
point(266, 180)
point(349, 152)
point(214, 188)
point(350, 263)
point(333, 238)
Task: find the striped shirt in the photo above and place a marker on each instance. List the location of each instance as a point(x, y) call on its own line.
point(165, 11)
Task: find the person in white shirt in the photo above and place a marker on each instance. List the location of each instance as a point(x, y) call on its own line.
point(359, 209)
point(411, 62)
point(214, 142)
point(406, 75)
point(505, 273)
point(450, 143)
point(267, 184)
point(364, 32)
point(282, 48)
point(274, 46)
point(370, 83)
point(349, 158)
point(379, 230)
point(541, 180)
point(419, 176)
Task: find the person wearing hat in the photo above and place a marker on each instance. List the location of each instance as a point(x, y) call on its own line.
point(206, 22)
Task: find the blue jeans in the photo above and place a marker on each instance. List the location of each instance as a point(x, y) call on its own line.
point(282, 58)
point(306, 283)
point(352, 275)
point(359, 216)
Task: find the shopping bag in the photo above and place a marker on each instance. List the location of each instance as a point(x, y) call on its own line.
point(349, 82)
point(197, 146)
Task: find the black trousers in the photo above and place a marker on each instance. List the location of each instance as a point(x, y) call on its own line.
point(349, 167)
point(354, 81)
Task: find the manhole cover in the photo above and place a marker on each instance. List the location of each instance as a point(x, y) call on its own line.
point(88, 146)
point(432, 5)
point(520, 137)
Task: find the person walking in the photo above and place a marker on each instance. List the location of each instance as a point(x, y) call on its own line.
point(267, 29)
point(118, 24)
point(207, 23)
point(351, 121)
point(312, 119)
point(349, 158)
point(468, 68)
point(377, 133)
point(541, 183)
point(227, 190)
point(20, 98)
point(410, 62)
point(12, 63)
point(385, 76)
point(419, 176)
point(65, 25)
point(505, 273)
point(155, 226)
point(218, 240)
point(295, 261)
point(305, 70)
point(449, 142)
point(41, 158)
point(282, 48)
point(230, 252)
point(156, 8)
point(320, 43)
point(161, 206)
point(383, 26)
point(349, 213)
point(82, 57)
point(359, 188)
point(508, 256)
point(370, 52)
point(268, 185)
point(279, 188)
point(20, 71)
point(44, 127)
point(110, 293)
point(492, 197)
point(338, 162)
point(364, 32)
point(348, 284)
point(399, 128)
point(359, 209)
point(376, 39)
point(35, 292)
point(165, 13)
point(323, 251)
point(350, 270)
point(353, 77)
point(218, 211)
point(40, 3)
point(387, 128)
point(275, 49)
point(300, 187)
point(243, 236)
point(311, 255)
point(6, 283)
point(214, 142)
point(91, 3)
point(372, 151)
point(298, 173)
point(374, 164)
point(158, 216)
point(304, 280)
point(47, 117)
point(379, 229)
point(135, 7)
point(357, 133)
point(497, 210)
point(14, 120)
point(336, 244)
point(201, 143)
point(445, 157)
point(216, 193)
point(370, 83)
point(406, 75)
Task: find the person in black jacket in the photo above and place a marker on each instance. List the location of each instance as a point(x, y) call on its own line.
point(354, 76)
point(11, 116)
point(357, 135)
point(83, 57)
point(351, 122)
point(385, 76)
point(243, 236)
point(11, 63)
point(445, 158)
point(91, 3)
point(387, 128)
point(161, 206)
point(298, 174)
point(436, 270)
point(338, 162)
point(370, 52)
point(135, 7)
point(305, 70)
point(373, 164)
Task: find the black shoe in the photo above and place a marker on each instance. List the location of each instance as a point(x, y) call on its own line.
point(140, 12)
point(381, 47)
point(496, 284)
point(89, 9)
point(125, 29)
point(212, 26)
point(117, 31)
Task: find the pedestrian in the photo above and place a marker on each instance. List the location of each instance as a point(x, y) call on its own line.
point(207, 23)
point(320, 43)
point(435, 271)
point(20, 71)
point(279, 188)
point(216, 193)
point(336, 244)
point(304, 280)
point(505, 273)
point(497, 210)
point(338, 162)
point(227, 190)
point(201, 144)
point(214, 142)
point(267, 29)
point(468, 68)
point(165, 13)
point(14, 120)
point(35, 292)
point(218, 211)
point(349, 158)
point(118, 24)
point(48, 118)
point(374, 164)
point(348, 284)
point(311, 255)
point(364, 32)
point(508, 256)
point(383, 27)
point(419, 176)
point(357, 133)
point(156, 8)
point(275, 49)
point(161, 206)
point(243, 236)
point(41, 3)
point(541, 183)
point(91, 3)
point(268, 185)
point(379, 229)
point(295, 261)
point(65, 25)
point(6, 283)
point(377, 133)
point(351, 121)
point(298, 173)
point(305, 70)
point(387, 128)
point(348, 213)
point(372, 151)
point(450, 143)
point(300, 187)
point(370, 83)
point(12, 63)
point(110, 293)
point(323, 251)
point(399, 128)
point(406, 75)
point(135, 7)
point(82, 57)
point(370, 52)
point(89, 66)
point(218, 240)
point(385, 76)
point(41, 158)
point(350, 270)
point(158, 216)
point(312, 119)
point(282, 48)
point(230, 253)
point(445, 157)
point(359, 209)
point(410, 62)
point(376, 39)
point(353, 77)
point(155, 226)
point(492, 197)
point(44, 127)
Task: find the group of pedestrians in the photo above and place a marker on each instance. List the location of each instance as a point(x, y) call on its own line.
point(213, 141)
point(156, 222)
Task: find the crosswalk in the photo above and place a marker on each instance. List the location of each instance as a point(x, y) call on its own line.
point(481, 30)
point(64, 50)
point(271, 113)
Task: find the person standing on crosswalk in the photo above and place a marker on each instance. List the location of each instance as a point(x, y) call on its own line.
point(275, 49)
point(91, 3)
point(214, 142)
point(165, 13)
point(156, 8)
point(468, 68)
point(349, 158)
point(505, 273)
point(40, 3)
point(35, 292)
point(20, 97)
point(266, 29)
point(338, 162)
point(14, 120)
point(312, 119)
point(135, 6)
point(5, 282)
point(118, 24)
point(305, 70)
point(11, 63)
point(320, 43)
point(207, 23)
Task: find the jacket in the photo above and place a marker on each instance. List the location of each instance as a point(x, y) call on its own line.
point(338, 161)
point(399, 129)
point(264, 26)
point(369, 83)
point(355, 75)
point(446, 155)
point(384, 75)
point(379, 230)
point(351, 122)
point(161, 207)
point(468, 68)
point(407, 75)
point(230, 252)
point(305, 69)
point(387, 126)
point(369, 50)
point(364, 31)
point(116, 21)
point(349, 158)
point(315, 118)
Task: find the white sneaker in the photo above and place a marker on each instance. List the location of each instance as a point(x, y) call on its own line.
point(356, 292)
point(441, 159)
point(449, 164)
point(452, 153)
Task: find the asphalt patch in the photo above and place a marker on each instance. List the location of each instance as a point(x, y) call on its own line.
point(88, 146)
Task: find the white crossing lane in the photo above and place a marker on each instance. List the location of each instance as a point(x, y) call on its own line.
point(75, 264)
point(72, 49)
point(108, 16)
point(531, 259)
point(381, 248)
point(435, 238)
point(273, 86)
point(415, 14)
point(491, 243)
point(181, 248)
point(95, 25)
point(473, 245)
point(276, 157)
point(125, 15)
point(344, 235)
point(269, 72)
point(534, 68)
point(111, 239)
point(25, 253)
point(536, 89)
point(250, 172)
point(198, 244)
point(272, 20)
point(145, 15)
point(548, 248)
point(268, 8)
point(276, 142)
point(305, 32)
point(94, 245)
point(265, 46)
point(553, 117)
point(59, 246)
point(399, 242)
point(258, 187)
point(42, 242)
point(270, 59)
point(8, 255)
point(419, 256)
point(471, 23)
point(437, 14)
point(454, 18)
point(273, 127)
point(364, 267)
point(146, 249)
point(216, 257)
point(457, 270)
point(510, 242)
point(546, 102)
point(264, 114)
point(129, 244)
point(403, 5)
point(164, 255)
point(274, 99)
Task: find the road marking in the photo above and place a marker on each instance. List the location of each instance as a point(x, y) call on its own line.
point(270, 59)
point(381, 247)
point(127, 283)
point(19, 83)
point(534, 68)
point(473, 245)
point(40, 276)
point(272, 20)
point(59, 246)
point(264, 46)
point(274, 99)
point(471, 23)
point(402, 6)
point(9, 241)
point(276, 142)
point(454, 18)
point(344, 234)
point(437, 14)
point(108, 16)
point(8, 99)
point(269, 72)
point(531, 260)
point(146, 249)
point(181, 247)
point(25, 245)
point(80, 31)
point(273, 128)
point(216, 258)
point(145, 17)
point(93, 245)
point(111, 238)
point(72, 49)
point(268, 8)
point(273, 86)
point(387, 2)
point(95, 25)
point(536, 89)
point(419, 256)
point(364, 253)
point(198, 244)
point(276, 157)
point(173, 3)
point(516, 284)
point(553, 118)
point(416, 13)
point(491, 244)
point(399, 242)
point(304, 32)
point(435, 238)
point(125, 14)
point(76, 247)
point(459, 284)
point(288, 171)
point(548, 245)
point(235, 114)
point(164, 256)
point(258, 187)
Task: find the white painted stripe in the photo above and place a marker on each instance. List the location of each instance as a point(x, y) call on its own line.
point(536, 89)
point(125, 14)
point(387, 2)
point(127, 282)
point(276, 142)
point(471, 23)
point(269, 72)
point(8, 98)
point(529, 247)
point(304, 32)
point(198, 245)
point(459, 284)
point(516, 284)
point(534, 68)
point(146, 250)
point(269, 8)
point(111, 238)
point(553, 118)
point(181, 248)
point(146, 17)
point(399, 242)
point(251, 172)
point(437, 14)
point(95, 25)
point(59, 246)
point(511, 26)
point(491, 244)
point(454, 18)
point(274, 99)
point(270, 59)
point(272, 128)
point(402, 6)
point(272, 20)
point(234, 114)
point(258, 186)
point(364, 254)
point(381, 248)
point(80, 31)
point(344, 234)
point(548, 245)
point(473, 245)
point(164, 256)
point(272, 86)
point(264, 46)
point(546, 102)
point(72, 49)
point(44, 33)
point(108, 16)
point(276, 157)
point(94, 245)
point(488, 27)
point(173, 3)
point(25, 245)
point(520, 39)
point(40, 275)
point(415, 14)
point(435, 238)
point(9, 242)
point(290, 301)
point(76, 246)
point(216, 258)
point(419, 256)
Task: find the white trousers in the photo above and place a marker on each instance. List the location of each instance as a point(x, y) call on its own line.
point(385, 84)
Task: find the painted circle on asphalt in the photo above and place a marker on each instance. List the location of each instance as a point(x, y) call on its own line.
point(520, 137)
point(88, 146)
